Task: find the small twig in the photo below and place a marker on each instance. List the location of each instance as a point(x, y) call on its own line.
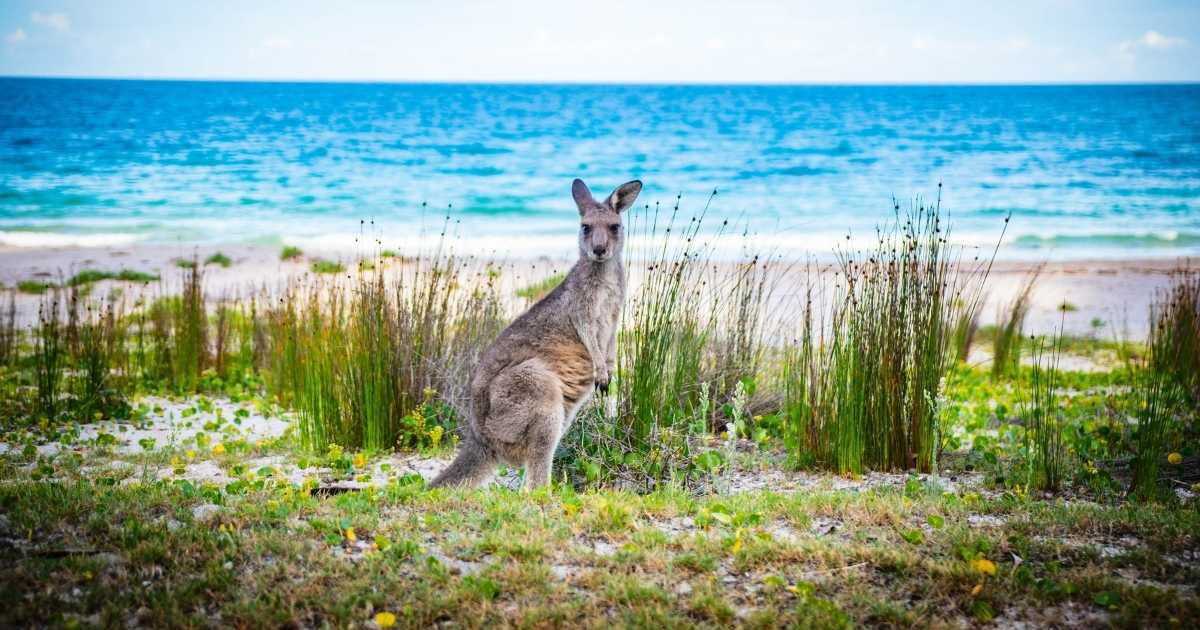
point(61, 553)
point(834, 570)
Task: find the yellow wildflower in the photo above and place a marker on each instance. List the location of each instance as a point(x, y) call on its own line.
point(360, 460)
point(350, 535)
point(219, 449)
point(1175, 458)
point(191, 454)
point(983, 565)
point(385, 619)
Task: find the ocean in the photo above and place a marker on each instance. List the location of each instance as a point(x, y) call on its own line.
point(1085, 171)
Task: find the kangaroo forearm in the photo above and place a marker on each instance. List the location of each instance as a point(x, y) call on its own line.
point(610, 353)
point(592, 344)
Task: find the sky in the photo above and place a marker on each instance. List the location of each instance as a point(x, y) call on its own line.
point(697, 41)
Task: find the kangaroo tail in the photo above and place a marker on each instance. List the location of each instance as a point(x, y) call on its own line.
point(473, 466)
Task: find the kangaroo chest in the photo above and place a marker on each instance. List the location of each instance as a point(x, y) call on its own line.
point(603, 310)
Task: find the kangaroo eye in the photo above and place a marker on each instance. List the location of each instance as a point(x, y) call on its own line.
point(614, 228)
point(587, 229)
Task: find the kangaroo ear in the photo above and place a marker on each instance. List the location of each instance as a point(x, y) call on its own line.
point(624, 195)
point(583, 196)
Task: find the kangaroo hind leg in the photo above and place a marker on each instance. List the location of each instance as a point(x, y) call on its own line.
point(525, 419)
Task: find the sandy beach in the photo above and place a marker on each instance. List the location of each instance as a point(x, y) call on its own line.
point(1106, 298)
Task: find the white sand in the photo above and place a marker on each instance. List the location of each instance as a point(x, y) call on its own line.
point(1114, 294)
point(166, 426)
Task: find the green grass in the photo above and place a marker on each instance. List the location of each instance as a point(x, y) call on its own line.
point(966, 326)
point(1010, 326)
point(541, 288)
point(274, 554)
point(90, 276)
point(321, 265)
point(34, 287)
point(219, 259)
point(290, 252)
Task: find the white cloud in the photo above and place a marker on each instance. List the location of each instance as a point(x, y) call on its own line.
point(1154, 39)
point(1017, 44)
point(56, 21)
point(1151, 39)
point(276, 43)
point(16, 37)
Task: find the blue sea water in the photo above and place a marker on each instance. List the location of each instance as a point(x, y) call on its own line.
point(1086, 171)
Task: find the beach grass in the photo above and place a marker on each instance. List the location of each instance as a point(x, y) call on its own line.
point(91, 276)
point(219, 259)
point(34, 287)
point(290, 252)
point(1044, 424)
point(1166, 380)
point(863, 386)
point(538, 290)
point(1010, 325)
point(322, 265)
point(358, 362)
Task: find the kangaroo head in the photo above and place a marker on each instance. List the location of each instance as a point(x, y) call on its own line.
point(600, 233)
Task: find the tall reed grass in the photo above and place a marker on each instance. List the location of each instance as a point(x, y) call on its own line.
point(1045, 446)
point(1167, 378)
point(861, 388)
point(1175, 317)
point(357, 360)
point(690, 348)
point(1010, 327)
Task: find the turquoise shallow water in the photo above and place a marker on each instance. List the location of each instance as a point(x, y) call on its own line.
point(1087, 171)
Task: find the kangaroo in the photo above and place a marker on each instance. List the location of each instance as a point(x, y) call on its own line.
point(547, 364)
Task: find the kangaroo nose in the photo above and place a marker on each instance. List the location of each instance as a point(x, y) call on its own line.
point(598, 250)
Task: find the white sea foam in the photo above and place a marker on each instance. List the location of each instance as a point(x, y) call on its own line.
point(60, 239)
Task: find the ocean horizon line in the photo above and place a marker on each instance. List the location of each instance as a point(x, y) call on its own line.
point(568, 83)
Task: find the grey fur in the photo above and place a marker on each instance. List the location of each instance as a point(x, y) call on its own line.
point(546, 365)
